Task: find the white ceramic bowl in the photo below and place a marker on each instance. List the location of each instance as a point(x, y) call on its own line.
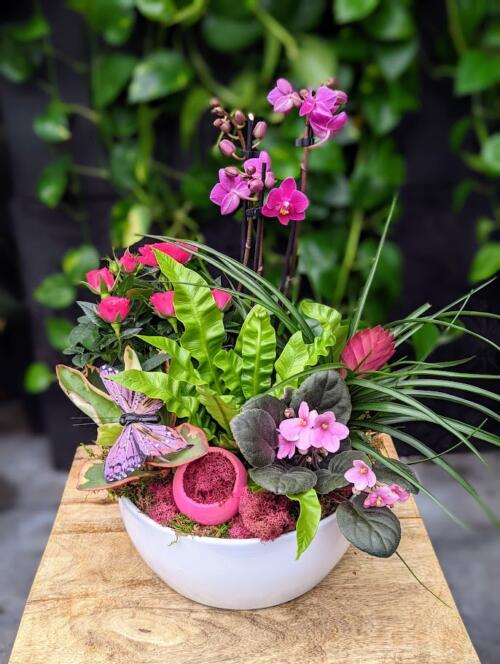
point(232, 573)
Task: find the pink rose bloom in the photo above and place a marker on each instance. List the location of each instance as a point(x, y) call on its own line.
point(298, 429)
point(286, 203)
point(114, 309)
point(163, 303)
point(361, 475)
point(222, 298)
point(384, 496)
point(253, 168)
point(98, 280)
point(401, 493)
point(327, 432)
point(286, 448)
point(128, 262)
point(172, 249)
point(229, 191)
point(368, 350)
point(283, 97)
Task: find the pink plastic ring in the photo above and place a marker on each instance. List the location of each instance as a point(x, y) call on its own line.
point(214, 513)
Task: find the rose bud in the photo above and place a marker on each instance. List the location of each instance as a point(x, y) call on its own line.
point(225, 127)
point(114, 309)
point(163, 303)
point(232, 171)
point(255, 186)
point(227, 147)
point(260, 130)
point(128, 262)
point(221, 298)
point(239, 118)
point(100, 280)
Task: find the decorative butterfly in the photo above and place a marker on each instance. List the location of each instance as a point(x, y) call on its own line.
point(142, 435)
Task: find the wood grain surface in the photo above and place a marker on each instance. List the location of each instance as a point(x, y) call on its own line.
point(94, 601)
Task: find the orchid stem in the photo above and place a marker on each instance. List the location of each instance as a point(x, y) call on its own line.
point(349, 256)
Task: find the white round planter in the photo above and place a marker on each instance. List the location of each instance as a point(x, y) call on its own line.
point(233, 573)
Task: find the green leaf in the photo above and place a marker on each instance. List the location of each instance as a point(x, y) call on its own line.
point(256, 344)
point(275, 407)
point(284, 480)
point(52, 124)
point(476, 71)
point(89, 399)
point(425, 340)
point(52, 182)
point(325, 390)
point(346, 11)
point(107, 435)
point(380, 113)
point(195, 308)
point(110, 75)
point(316, 62)
point(38, 377)
point(394, 59)
point(158, 75)
point(198, 447)
point(78, 261)
point(229, 35)
point(33, 29)
point(123, 159)
point(157, 10)
point(15, 62)
point(375, 530)
point(388, 475)
point(92, 478)
point(113, 19)
point(58, 331)
point(332, 478)
point(195, 104)
point(309, 518)
point(55, 292)
point(221, 407)
point(486, 262)
point(254, 431)
point(490, 152)
point(181, 367)
point(391, 22)
point(230, 364)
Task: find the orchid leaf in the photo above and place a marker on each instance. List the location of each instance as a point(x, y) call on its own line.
point(323, 391)
point(374, 530)
point(92, 477)
point(89, 399)
point(309, 518)
point(254, 431)
point(198, 447)
point(284, 480)
point(257, 341)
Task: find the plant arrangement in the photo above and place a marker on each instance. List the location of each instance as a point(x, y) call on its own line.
point(227, 409)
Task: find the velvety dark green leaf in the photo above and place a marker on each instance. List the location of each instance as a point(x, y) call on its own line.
point(389, 476)
point(275, 407)
point(486, 262)
point(425, 340)
point(391, 22)
point(78, 261)
point(157, 10)
point(309, 518)
point(55, 292)
point(38, 377)
point(346, 11)
point(325, 390)
point(158, 75)
point(111, 75)
point(58, 331)
point(228, 35)
point(52, 182)
point(394, 59)
point(476, 71)
point(95, 403)
point(490, 151)
point(375, 530)
point(52, 124)
point(332, 478)
point(284, 480)
point(254, 431)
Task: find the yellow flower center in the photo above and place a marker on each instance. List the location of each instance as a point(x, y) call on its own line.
point(285, 208)
point(302, 422)
point(324, 426)
point(363, 471)
point(378, 502)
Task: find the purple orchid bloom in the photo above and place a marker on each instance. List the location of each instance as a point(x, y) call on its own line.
point(229, 191)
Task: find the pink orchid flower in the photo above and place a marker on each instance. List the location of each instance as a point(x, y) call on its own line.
point(163, 303)
point(286, 203)
point(368, 350)
point(326, 432)
point(100, 279)
point(221, 298)
point(114, 309)
point(320, 108)
point(361, 475)
point(286, 448)
point(253, 168)
point(298, 429)
point(330, 99)
point(229, 191)
point(283, 97)
point(384, 496)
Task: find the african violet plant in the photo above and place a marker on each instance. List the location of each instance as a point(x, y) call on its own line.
point(208, 355)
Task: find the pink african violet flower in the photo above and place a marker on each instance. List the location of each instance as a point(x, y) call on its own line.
point(229, 191)
point(384, 496)
point(163, 303)
point(286, 448)
point(128, 261)
point(286, 203)
point(222, 298)
point(114, 309)
point(283, 97)
point(327, 432)
point(100, 279)
point(253, 168)
point(298, 429)
point(401, 493)
point(361, 475)
point(368, 350)
point(172, 249)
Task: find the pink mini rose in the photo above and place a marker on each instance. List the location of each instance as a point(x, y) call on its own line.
point(368, 350)
point(384, 496)
point(229, 191)
point(172, 249)
point(283, 97)
point(222, 298)
point(128, 262)
point(114, 309)
point(99, 280)
point(361, 475)
point(163, 303)
point(327, 432)
point(298, 429)
point(286, 203)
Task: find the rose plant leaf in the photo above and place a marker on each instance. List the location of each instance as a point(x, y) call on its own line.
point(257, 341)
point(275, 407)
point(374, 530)
point(254, 431)
point(325, 390)
point(92, 477)
point(332, 477)
point(198, 447)
point(309, 518)
point(89, 399)
point(284, 480)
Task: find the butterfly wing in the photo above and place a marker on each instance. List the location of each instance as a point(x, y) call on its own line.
point(128, 400)
point(156, 439)
point(125, 456)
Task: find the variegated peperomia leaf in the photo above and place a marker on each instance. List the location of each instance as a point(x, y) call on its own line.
point(92, 477)
point(89, 399)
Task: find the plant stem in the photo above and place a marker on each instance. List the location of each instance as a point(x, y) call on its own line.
point(349, 255)
point(91, 171)
point(258, 260)
point(455, 26)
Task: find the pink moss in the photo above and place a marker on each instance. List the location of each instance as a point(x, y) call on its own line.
point(238, 530)
point(163, 507)
point(265, 515)
point(209, 480)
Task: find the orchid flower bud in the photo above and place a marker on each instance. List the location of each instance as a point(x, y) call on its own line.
point(255, 186)
point(239, 118)
point(217, 123)
point(227, 147)
point(260, 130)
point(225, 127)
point(250, 170)
point(214, 102)
point(232, 171)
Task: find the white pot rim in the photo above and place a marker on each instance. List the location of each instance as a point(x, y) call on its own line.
point(214, 541)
